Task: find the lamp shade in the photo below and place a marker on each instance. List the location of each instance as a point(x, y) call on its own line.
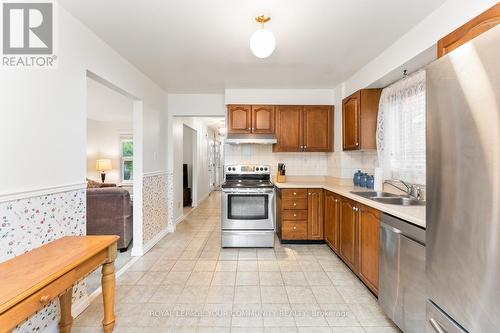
point(262, 43)
point(103, 165)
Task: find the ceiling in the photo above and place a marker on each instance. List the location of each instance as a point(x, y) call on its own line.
point(199, 46)
point(105, 104)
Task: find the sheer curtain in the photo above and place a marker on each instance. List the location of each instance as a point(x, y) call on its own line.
point(401, 129)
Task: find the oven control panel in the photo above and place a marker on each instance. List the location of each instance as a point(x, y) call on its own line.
point(247, 169)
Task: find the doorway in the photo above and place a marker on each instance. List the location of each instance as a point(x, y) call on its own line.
point(111, 160)
point(188, 156)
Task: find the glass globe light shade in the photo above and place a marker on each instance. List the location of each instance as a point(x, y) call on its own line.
point(262, 43)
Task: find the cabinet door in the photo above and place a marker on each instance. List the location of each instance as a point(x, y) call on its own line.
point(348, 233)
point(315, 214)
point(262, 119)
point(350, 122)
point(318, 124)
point(288, 128)
point(369, 246)
point(239, 119)
point(469, 30)
point(332, 220)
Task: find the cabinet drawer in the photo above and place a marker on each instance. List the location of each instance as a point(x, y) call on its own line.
point(300, 193)
point(294, 214)
point(296, 230)
point(294, 203)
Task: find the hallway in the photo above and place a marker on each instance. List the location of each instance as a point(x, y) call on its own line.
point(187, 283)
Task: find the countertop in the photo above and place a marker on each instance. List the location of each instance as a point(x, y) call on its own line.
point(412, 214)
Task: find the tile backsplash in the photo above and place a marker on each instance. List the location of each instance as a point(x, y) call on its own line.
point(338, 164)
point(307, 164)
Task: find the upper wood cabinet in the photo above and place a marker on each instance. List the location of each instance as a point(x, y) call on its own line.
point(369, 246)
point(470, 30)
point(332, 220)
point(315, 214)
point(359, 119)
point(262, 119)
point(304, 128)
point(348, 240)
point(289, 128)
point(247, 119)
point(318, 124)
point(239, 118)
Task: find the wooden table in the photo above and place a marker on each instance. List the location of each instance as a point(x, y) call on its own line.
point(32, 280)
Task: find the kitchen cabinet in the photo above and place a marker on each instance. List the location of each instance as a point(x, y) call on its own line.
point(250, 119)
point(239, 119)
point(332, 220)
point(359, 120)
point(262, 119)
point(304, 128)
point(288, 128)
point(348, 240)
point(369, 246)
point(300, 214)
point(315, 214)
point(470, 30)
point(318, 125)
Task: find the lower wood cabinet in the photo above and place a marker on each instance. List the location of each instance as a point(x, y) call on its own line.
point(369, 246)
point(332, 220)
point(350, 229)
point(315, 214)
point(300, 214)
point(349, 233)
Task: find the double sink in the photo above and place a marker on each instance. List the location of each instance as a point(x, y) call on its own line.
point(390, 198)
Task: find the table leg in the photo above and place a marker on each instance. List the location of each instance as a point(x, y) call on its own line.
point(65, 305)
point(108, 296)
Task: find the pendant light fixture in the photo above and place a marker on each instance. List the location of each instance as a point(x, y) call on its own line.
point(262, 42)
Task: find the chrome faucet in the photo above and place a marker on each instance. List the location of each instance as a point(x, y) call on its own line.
point(410, 189)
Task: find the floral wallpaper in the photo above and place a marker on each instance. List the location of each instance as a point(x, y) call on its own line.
point(31, 222)
point(154, 205)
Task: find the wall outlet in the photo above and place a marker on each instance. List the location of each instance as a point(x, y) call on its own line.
point(178, 204)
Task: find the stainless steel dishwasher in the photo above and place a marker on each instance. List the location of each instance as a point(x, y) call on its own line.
point(402, 273)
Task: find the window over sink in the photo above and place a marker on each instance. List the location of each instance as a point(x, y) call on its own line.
point(401, 129)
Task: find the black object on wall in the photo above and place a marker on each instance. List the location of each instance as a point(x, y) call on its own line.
point(187, 196)
point(185, 175)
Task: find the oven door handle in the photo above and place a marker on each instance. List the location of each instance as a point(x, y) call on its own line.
point(250, 192)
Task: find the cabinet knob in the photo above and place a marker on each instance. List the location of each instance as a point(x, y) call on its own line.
point(294, 193)
point(305, 147)
point(357, 143)
point(294, 228)
point(295, 204)
point(45, 299)
point(294, 215)
point(336, 200)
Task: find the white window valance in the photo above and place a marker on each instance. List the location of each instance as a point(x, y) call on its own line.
point(401, 129)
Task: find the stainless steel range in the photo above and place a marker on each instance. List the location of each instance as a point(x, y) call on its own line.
point(248, 207)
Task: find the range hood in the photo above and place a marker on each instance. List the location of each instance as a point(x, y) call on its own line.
point(262, 139)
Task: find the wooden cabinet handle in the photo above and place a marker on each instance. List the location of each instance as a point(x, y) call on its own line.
point(45, 299)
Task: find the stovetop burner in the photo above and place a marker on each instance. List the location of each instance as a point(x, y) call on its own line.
point(247, 184)
point(247, 176)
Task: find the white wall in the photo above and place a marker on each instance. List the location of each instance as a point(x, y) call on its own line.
point(103, 141)
point(196, 105)
point(279, 96)
point(43, 113)
point(201, 187)
point(188, 142)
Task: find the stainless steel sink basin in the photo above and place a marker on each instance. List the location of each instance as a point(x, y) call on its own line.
point(401, 201)
point(374, 194)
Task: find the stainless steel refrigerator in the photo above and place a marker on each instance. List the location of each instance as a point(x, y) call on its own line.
point(463, 188)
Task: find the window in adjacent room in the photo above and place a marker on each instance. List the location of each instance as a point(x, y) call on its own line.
point(401, 129)
point(127, 158)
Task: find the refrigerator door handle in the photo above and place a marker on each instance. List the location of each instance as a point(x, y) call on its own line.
point(435, 325)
